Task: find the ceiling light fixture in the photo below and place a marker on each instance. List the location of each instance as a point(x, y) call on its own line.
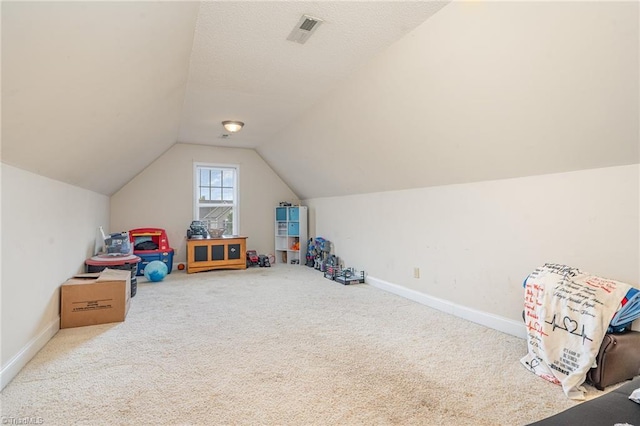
point(232, 126)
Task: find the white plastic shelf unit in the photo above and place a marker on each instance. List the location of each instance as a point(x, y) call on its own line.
point(291, 234)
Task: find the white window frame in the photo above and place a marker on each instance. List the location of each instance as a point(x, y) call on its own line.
point(236, 192)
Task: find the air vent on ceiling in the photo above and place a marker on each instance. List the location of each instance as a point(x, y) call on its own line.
point(304, 28)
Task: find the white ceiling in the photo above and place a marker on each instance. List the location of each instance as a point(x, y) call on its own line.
point(244, 68)
point(383, 96)
point(93, 92)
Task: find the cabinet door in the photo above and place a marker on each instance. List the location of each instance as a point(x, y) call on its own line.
point(217, 252)
point(233, 251)
point(200, 253)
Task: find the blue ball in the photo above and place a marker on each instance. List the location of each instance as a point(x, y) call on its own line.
point(155, 271)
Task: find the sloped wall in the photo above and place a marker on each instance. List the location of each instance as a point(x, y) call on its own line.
point(49, 229)
point(102, 82)
point(161, 196)
point(482, 90)
point(475, 243)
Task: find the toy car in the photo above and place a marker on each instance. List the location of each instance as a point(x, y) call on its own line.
point(263, 261)
point(252, 258)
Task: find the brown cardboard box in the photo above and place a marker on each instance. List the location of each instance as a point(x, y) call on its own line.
point(90, 299)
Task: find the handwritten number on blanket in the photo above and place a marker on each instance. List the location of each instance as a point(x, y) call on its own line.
point(569, 325)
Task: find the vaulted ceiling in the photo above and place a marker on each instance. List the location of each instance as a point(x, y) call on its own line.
point(383, 96)
point(93, 92)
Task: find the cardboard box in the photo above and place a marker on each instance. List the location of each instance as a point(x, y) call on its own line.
point(99, 298)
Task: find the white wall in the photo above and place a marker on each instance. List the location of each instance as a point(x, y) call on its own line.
point(48, 231)
point(162, 196)
point(475, 243)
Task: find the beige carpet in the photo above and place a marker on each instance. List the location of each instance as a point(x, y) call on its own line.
point(280, 346)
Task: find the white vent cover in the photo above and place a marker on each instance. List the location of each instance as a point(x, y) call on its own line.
point(304, 28)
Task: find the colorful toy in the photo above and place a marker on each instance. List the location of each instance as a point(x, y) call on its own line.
point(263, 261)
point(151, 244)
point(317, 253)
point(252, 258)
point(349, 276)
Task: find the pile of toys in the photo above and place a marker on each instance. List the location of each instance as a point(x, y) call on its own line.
point(151, 244)
point(317, 253)
point(319, 257)
point(255, 259)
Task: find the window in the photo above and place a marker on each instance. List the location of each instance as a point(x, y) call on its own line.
point(216, 196)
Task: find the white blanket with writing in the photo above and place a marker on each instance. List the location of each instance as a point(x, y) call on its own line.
point(567, 313)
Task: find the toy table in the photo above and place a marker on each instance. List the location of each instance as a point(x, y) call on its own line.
point(129, 262)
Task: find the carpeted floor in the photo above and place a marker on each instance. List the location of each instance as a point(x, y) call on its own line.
point(280, 346)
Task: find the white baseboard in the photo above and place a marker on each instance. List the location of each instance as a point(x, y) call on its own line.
point(505, 325)
point(21, 359)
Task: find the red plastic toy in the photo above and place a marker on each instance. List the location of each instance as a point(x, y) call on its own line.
point(252, 258)
point(157, 235)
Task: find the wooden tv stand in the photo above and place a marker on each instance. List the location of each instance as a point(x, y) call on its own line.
point(216, 253)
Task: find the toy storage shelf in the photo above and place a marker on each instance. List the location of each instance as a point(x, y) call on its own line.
point(291, 234)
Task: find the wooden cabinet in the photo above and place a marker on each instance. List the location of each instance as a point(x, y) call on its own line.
point(216, 253)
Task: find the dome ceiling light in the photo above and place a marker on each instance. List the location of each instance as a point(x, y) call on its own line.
point(232, 126)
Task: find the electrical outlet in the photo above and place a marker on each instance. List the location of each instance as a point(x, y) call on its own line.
point(416, 272)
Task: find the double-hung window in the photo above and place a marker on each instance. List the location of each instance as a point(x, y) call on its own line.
point(216, 196)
